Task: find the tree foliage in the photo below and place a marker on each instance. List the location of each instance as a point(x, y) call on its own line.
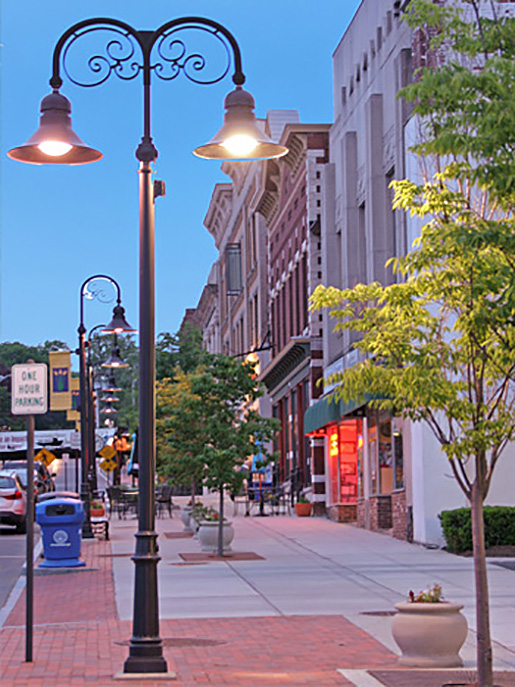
point(182, 350)
point(438, 346)
point(207, 424)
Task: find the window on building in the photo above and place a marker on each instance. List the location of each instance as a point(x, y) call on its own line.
point(252, 241)
point(385, 452)
point(398, 457)
point(233, 276)
point(372, 450)
point(304, 288)
point(391, 234)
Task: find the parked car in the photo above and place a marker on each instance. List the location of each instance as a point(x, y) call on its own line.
point(45, 479)
point(13, 501)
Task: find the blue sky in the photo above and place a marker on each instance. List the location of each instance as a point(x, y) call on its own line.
point(60, 225)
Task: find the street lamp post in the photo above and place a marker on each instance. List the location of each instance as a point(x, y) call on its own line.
point(117, 324)
point(240, 138)
point(92, 468)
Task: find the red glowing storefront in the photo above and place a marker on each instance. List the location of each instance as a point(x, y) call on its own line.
point(364, 465)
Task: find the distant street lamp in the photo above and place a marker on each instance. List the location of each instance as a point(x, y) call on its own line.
point(86, 418)
point(240, 138)
point(90, 393)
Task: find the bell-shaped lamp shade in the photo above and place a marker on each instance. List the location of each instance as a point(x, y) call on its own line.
point(55, 142)
point(115, 360)
point(109, 399)
point(108, 410)
point(240, 137)
point(118, 324)
point(111, 387)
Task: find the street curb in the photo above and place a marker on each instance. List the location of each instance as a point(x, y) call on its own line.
point(18, 588)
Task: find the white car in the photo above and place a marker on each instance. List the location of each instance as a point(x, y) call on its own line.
point(13, 501)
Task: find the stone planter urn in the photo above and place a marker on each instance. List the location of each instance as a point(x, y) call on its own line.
point(429, 635)
point(193, 525)
point(185, 517)
point(208, 536)
point(303, 510)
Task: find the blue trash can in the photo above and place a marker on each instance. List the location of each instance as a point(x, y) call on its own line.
point(61, 527)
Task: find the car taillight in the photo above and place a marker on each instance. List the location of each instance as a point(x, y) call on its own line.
point(13, 497)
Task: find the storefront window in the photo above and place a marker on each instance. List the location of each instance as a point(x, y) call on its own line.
point(372, 449)
point(348, 432)
point(360, 464)
point(398, 456)
point(385, 452)
point(333, 452)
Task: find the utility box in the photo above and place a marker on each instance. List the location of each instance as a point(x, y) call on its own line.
point(61, 528)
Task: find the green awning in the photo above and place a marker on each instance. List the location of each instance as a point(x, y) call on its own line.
point(327, 411)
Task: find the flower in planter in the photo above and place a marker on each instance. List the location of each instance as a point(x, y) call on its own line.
point(430, 595)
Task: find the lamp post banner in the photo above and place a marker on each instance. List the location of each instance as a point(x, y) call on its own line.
point(60, 380)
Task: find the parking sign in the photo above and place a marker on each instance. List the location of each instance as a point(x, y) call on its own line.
point(29, 389)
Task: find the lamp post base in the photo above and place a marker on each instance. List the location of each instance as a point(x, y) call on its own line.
point(145, 656)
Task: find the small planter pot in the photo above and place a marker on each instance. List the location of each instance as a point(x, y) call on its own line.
point(303, 510)
point(208, 536)
point(429, 635)
point(185, 517)
point(97, 512)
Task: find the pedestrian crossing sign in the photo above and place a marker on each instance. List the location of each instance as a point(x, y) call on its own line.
point(45, 456)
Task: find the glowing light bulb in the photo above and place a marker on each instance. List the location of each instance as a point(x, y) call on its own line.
point(240, 145)
point(54, 148)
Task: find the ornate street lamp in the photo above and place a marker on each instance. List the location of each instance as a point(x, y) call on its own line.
point(240, 138)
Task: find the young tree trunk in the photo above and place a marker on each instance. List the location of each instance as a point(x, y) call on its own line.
point(220, 543)
point(193, 490)
point(484, 642)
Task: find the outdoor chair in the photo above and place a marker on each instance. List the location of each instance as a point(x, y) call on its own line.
point(164, 499)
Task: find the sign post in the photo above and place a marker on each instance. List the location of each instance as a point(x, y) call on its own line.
point(29, 398)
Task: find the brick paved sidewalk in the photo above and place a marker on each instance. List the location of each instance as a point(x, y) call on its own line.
point(78, 640)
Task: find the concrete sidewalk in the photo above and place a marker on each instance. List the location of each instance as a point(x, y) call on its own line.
point(313, 566)
point(313, 609)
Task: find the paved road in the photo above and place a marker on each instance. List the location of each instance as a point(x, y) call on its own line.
point(12, 558)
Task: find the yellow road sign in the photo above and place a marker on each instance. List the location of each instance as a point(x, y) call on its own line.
point(108, 465)
point(107, 452)
point(45, 456)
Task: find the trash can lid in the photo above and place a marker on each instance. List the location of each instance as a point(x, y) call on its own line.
point(58, 495)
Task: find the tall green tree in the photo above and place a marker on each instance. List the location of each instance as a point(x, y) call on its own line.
point(180, 439)
point(438, 346)
point(220, 404)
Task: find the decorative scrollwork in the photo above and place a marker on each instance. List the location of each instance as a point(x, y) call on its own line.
point(127, 53)
point(118, 57)
point(174, 57)
point(95, 290)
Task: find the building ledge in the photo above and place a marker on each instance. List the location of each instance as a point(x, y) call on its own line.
point(293, 354)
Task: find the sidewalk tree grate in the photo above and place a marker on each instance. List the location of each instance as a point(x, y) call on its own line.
point(437, 678)
point(116, 555)
point(178, 535)
point(235, 556)
point(378, 613)
point(184, 641)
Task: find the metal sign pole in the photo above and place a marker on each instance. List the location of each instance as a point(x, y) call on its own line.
point(29, 397)
point(30, 540)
